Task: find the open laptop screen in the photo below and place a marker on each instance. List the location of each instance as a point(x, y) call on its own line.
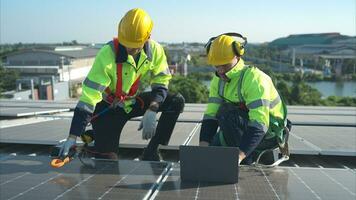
point(211, 164)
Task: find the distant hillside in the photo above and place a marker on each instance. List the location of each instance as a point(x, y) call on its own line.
point(316, 38)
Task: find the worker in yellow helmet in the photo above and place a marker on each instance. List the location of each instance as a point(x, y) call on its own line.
point(110, 94)
point(243, 103)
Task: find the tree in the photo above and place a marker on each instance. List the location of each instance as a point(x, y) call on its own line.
point(304, 94)
point(339, 101)
point(8, 83)
point(74, 42)
point(284, 91)
point(192, 90)
point(201, 76)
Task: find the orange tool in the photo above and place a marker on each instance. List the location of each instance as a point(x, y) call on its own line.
point(57, 163)
point(61, 161)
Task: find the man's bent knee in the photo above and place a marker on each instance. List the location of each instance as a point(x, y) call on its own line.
point(178, 102)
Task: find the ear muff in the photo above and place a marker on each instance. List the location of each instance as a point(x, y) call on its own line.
point(208, 44)
point(237, 47)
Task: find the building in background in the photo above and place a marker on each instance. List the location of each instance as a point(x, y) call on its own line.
point(178, 59)
point(42, 68)
point(329, 48)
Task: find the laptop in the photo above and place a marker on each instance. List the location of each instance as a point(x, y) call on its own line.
point(209, 164)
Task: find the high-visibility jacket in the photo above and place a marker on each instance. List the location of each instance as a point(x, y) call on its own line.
point(250, 87)
point(103, 77)
point(103, 73)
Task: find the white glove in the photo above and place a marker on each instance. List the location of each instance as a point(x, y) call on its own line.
point(148, 123)
point(65, 147)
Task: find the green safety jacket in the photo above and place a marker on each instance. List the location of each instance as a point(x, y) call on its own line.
point(103, 74)
point(101, 82)
point(255, 89)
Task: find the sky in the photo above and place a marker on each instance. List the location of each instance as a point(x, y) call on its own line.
point(95, 21)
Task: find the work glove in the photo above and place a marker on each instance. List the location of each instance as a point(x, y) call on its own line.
point(148, 124)
point(66, 146)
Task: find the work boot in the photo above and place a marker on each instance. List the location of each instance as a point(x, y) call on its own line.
point(148, 155)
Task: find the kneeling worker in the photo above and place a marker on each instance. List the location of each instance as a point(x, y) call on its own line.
point(243, 103)
point(110, 91)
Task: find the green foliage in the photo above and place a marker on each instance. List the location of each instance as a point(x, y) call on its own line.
point(263, 67)
point(353, 77)
point(313, 77)
point(192, 90)
point(200, 76)
point(197, 60)
point(348, 66)
point(304, 94)
point(297, 77)
point(8, 83)
point(284, 91)
point(168, 56)
point(339, 101)
point(263, 51)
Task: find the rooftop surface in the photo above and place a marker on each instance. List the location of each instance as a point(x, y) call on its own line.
point(322, 164)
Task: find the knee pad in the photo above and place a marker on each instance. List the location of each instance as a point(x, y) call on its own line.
point(178, 102)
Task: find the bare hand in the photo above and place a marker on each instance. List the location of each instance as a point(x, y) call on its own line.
point(242, 156)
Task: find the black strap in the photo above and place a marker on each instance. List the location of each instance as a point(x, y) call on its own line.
point(233, 34)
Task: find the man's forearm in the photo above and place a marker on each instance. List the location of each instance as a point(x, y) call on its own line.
point(159, 94)
point(79, 122)
point(251, 139)
point(208, 130)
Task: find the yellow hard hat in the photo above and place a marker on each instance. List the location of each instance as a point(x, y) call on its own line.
point(135, 28)
point(222, 49)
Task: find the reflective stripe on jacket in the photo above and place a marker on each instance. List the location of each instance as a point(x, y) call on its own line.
point(252, 87)
point(152, 61)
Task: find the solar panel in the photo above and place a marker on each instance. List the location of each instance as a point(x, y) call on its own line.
point(298, 145)
point(24, 177)
point(191, 107)
point(316, 140)
point(321, 184)
point(304, 139)
point(132, 137)
point(329, 140)
point(258, 183)
point(196, 116)
point(342, 117)
point(21, 112)
point(50, 132)
point(322, 108)
point(38, 103)
point(327, 119)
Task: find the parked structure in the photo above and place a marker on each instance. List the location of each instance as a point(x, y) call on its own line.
point(50, 66)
